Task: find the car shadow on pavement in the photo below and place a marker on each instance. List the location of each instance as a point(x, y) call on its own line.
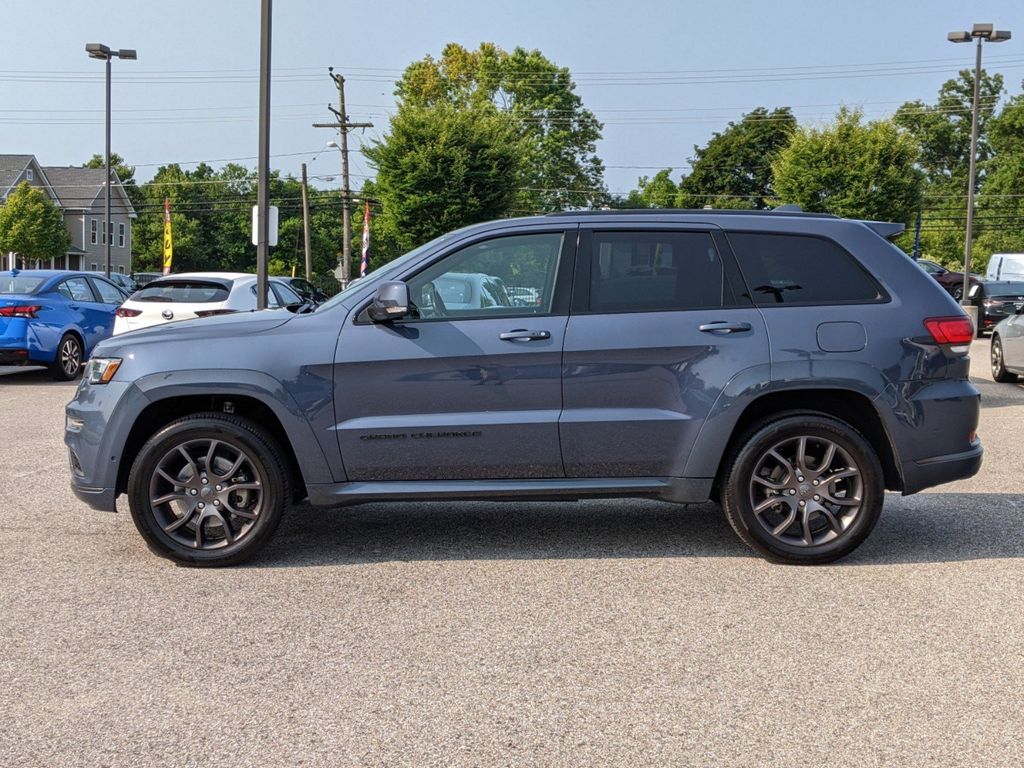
point(928, 528)
point(11, 375)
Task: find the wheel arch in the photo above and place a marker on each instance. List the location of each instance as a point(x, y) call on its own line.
point(850, 407)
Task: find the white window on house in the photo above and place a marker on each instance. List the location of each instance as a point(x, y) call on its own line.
point(120, 235)
point(92, 231)
point(93, 267)
point(30, 175)
point(110, 230)
point(120, 268)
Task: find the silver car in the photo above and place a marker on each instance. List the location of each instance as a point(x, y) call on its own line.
point(1008, 346)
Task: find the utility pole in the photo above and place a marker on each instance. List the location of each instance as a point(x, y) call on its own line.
point(263, 170)
point(305, 224)
point(343, 126)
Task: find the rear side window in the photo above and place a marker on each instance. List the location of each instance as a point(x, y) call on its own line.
point(76, 289)
point(182, 291)
point(655, 271)
point(795, 269)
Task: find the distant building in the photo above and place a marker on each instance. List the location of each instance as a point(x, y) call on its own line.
point(78, 192)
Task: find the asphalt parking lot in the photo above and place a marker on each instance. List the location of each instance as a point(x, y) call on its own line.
point(598, 633)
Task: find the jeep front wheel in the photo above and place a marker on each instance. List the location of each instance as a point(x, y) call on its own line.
point(208, 489)
point(803, 488)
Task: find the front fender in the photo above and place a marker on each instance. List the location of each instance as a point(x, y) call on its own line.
point(313, 463)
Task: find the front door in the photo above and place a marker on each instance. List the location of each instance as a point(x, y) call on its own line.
point(470, 386)
point(657, 331)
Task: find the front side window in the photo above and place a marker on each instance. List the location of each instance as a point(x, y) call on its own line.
point(503, 276)
point(655, 271)
point(799, 269)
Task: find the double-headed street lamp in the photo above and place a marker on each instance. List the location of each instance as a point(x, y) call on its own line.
point(981, 33)
point(100, 51)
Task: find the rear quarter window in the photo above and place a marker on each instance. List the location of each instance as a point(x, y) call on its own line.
point(182, 291)
point(800, 269)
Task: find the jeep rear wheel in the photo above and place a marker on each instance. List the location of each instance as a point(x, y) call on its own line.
point(803, 488)
point(208, 490)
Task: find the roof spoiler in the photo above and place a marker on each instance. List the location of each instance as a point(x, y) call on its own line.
point(890, 230)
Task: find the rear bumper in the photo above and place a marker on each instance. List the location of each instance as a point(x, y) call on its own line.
point(13, 356)
point(925, 473)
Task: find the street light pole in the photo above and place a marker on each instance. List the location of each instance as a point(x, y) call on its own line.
point(100, 51)
point(981, 33)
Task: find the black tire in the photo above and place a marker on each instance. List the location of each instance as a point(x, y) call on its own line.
point(212, 499)
point(819, 529)
point(999, 372)
point(68, 364)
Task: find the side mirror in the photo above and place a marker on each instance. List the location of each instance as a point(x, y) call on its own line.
point(391, 302)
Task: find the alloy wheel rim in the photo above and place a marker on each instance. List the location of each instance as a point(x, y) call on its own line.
point(206, 493)
point(70, 357)
point(806, 491)
point(997, 356)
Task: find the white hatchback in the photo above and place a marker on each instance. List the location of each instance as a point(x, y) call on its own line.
point(198, 294)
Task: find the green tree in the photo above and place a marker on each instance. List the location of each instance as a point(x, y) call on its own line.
point(851, 168)
point(943, 131)
point(558, 135)
point(734, 169)
point(442, 167)
point(656, 192)
point(1000, 207)
point(31, 225)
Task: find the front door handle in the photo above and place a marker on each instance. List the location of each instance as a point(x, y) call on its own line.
point(723, 326)
point(521, 334)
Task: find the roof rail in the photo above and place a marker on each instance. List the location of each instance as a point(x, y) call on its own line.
point(693, 212)
point(788, 208)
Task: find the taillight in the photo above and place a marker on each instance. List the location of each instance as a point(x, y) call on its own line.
point(23, 310)
point(212, 312)
point(123, 312)
point(951, 330)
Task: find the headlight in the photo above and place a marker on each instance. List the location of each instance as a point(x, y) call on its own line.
point(100, 370)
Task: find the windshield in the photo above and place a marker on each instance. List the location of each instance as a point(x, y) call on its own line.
point(19, 283)
point(382, 273)
point(185, 291)
point(1006, 289)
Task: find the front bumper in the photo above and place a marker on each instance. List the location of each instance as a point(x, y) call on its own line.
point(98, 422)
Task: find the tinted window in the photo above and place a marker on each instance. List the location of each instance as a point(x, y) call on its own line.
point(19, 283)
point(652, 271)
point(502, 276)
point(285, 295)
point(184, 291)
point(76, 289)
point(794, 269)
point(108, 293)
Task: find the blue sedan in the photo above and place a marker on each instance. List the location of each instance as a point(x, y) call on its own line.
point(55, 318)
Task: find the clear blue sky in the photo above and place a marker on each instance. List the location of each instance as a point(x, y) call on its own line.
point(192, 94)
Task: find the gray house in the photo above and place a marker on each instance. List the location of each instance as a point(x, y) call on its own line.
point(79, 194)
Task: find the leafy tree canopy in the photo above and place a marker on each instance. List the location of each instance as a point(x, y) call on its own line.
point(31, 225)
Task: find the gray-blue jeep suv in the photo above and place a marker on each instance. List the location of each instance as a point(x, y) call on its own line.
point(791, 366)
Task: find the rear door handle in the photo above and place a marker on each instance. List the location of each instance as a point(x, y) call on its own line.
point(723, 326)
point(521, 334)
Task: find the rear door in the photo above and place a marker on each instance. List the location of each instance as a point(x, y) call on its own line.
point(658, 329)
point(462, 391)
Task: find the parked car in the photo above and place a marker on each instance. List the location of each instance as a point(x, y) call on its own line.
point(124, 282)
point(792, 366)
point(461, 291)
point(200, 294)
point(995, 300)
point(305, 289)
point(1007, 349)
point(54, 318)
point(1005, 266)
point(951, 281)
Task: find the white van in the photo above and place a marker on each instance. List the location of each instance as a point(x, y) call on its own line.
point(1005, 266)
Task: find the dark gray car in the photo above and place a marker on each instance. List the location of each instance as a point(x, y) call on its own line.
point(792, 366)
